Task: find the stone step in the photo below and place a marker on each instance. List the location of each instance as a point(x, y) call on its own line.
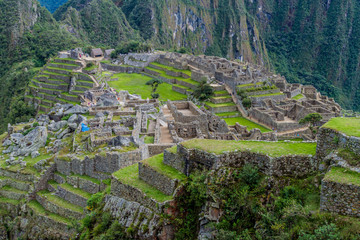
point(60, 87)
point(52, 220)
point(82, 88)
point(58, 70)
point(79, 93)
point(221, 108)
point(12, 193)
point(59, 206)
point(223, 99)
point(228, 114)
point(48, 103)
point(85, 83)
point(67, 61)
point(72, 194)
point(10, 201)
point(70, 97)
point(50, 80)
point(35, 90)
point(53, 75)
point(85, 183)
point(163, 177)
point(17, 175)
point(64, 66)
point(221, 93)
point(14, 183)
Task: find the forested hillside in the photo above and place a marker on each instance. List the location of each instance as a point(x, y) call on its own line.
point(29, 35)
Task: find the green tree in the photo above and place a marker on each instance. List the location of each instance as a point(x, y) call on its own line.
point(312, 119)
point(203, 91)
point(154, 83)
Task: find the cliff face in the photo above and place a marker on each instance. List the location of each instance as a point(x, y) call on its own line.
point(214, 27)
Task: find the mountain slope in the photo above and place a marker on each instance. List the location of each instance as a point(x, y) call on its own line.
point(28, 36)
point(98, 22)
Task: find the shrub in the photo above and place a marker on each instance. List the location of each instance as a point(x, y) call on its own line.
point(325, 232)
point(65, 118)
point(203, 91)
point(250, 175)
point(246, 103)
point(94, 201)
point(36, 124)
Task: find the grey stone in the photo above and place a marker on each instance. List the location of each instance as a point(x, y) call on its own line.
point(99, 115)
point(35, 154)
point(121, 141)
point(61, 134)
point(76, 110)
point(33, 140)
point(73, 126)
point(6, 143)
point(16, 138)
point(73, 118)
point(40, 165)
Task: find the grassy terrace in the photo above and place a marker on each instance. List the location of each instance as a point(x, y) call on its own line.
point(342, 175)
point(136, 84)
point(297, 97)
point(156, 163)
point(187, 72)
point(40, 210)
point(213, 105)
point(267, 95)
point(225, 114)
point(349, 126)
point(250, 85)
point(245, 122)
point(59, 201)
point(163, 74)
point(274, 149)
point(130, 176)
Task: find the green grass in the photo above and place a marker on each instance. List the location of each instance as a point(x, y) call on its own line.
point(213, 105)
point(40, 210)
point(349, 126)
point(222, 97)
point(60, 202)
point(156, 163)
point(187, 72)
point(58, 74)
point(245, 122)
point(8, 200)
point(225, 114)
point(57, 68)
point(267, 95)
point(221, 92)
point(351, 157)
point(66, 64)
point(173, 149)
point(11, 189)
point(85, 177)
point(149, 140)
point(342, 175)
point(274, 149)
point(130, 176)
point(249, 85)
point(77, 191)
point(90, 68)
point(297, 97)
point(136, 84)
point(163, 74)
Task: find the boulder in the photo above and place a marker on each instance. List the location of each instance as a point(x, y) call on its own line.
point(77, 109)
point(73, 126)
point(56, 126)
point(73, 118)
point(16, 138)
point(35, 154)
point(6, 143)
point(33, 141)
point(121, 141)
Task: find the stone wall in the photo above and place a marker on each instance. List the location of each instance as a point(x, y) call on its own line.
point(157, 180)
point(155, 149)
point(99, 166)
point(340, 198)
point(121, 69)
point(133, 214)
point(329, 139)
point(291, 165)
point(131, 193)
point(174, 160)
point(42, 183)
